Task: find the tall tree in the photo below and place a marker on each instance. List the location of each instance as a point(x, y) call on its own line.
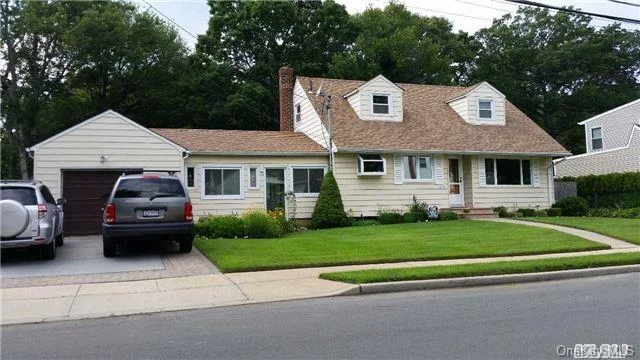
point(405, 47)
point(558, 69)
point(255, 38)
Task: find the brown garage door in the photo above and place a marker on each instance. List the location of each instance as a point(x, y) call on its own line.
point(86, 193)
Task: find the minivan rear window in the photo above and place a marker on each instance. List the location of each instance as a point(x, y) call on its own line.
point(149, 187)
point(25, 196)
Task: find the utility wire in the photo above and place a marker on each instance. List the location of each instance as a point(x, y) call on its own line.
point(604, 16)
point(625, 3)
point(170, 19)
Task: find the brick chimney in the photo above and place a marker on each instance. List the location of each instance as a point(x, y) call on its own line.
point(285, 80)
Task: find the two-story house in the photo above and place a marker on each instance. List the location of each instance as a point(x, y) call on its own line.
point(454, 147)
point(612, 141)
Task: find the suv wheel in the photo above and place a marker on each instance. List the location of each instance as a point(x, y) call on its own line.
point(49, 250)
point(108, 247)
point(60, 240)
point(186, 243)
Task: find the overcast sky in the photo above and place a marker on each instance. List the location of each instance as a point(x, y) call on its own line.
point(466, 15)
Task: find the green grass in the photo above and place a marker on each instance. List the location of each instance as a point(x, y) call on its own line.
point(389, 243)
point(619, 228)
point(492, 268)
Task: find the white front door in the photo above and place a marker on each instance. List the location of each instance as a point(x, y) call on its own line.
point(456, 192)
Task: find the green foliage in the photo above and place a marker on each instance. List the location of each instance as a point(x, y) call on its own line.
point(554, 211)
point(573, 206)
point(617, 190)
point(329, 211)
point(220, 226)
point(365, 222)
point(501, 210)
point(527, 212)
point(632, 213)
point(541, 213)
point(260, 225)
point(447, 215)
point(417, 211)
point(390, 216)
point(558, 69)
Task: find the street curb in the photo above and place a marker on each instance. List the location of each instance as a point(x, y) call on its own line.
point(397, 286)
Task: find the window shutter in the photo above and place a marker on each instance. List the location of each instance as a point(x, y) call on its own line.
point(535, 173)
point(288, 179)
point(397, 169)
point(245, 176)
point(439, 170)
point(482, 176)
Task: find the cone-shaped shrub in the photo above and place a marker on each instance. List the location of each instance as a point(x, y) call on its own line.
point(329, 211)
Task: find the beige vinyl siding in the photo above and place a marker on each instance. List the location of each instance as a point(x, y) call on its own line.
point(253, 198)
point(616, 127)
point(365, 195)
point(378, 85)
point(467, 174)
point(310, 123)
point(512, 196)
point(125, 145)
point(484, 91)
point(461, 106)
point(603, 162)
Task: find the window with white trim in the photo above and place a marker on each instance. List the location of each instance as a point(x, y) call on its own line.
point(298, 114)
point(253, 178)
point(307, 180)
point(191, 177)
point(485, 109)
point(507, 171)
point(596, 138)
point(417, 167)
point(381, 104)
point(371, 164)
point(221, 182)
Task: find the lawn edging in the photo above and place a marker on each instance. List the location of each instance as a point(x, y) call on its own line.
point(397, 286)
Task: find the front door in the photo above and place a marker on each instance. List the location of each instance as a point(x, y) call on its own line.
point(456, 193)
point(274, 183)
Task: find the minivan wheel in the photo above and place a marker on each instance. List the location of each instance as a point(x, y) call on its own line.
point(108, 247)
point(186, 243)
point(49, 251)
point(60, 240)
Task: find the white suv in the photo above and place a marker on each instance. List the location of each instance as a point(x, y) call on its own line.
point(30, 217)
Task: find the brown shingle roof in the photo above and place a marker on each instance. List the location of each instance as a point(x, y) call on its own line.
point(430, 124)
point(241, 141)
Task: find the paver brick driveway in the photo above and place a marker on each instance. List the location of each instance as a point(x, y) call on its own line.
point(80, 261)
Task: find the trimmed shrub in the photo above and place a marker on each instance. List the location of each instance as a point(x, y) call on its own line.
point(541, 213)
point(220, 226)
point(365, 222)
point(501, 210)
point(393, 216)
point(410, 217)
point(329, 210)
point(609, 190)
point(260, 225)
point(527, 212)
point(554, 212)
point(573, 206)
point(633, 213)
point(447, 215)
point(418, 211)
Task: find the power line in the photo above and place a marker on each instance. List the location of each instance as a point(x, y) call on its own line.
point(625, 3)
point(483, 6)
point(604, 16)
point(170, 19)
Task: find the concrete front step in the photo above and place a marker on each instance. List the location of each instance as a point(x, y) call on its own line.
point(475, 213)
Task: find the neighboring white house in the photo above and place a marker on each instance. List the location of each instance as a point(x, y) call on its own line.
point(612, 141)
point(454, 147)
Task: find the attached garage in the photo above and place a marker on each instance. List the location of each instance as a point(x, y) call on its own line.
point(82, 163)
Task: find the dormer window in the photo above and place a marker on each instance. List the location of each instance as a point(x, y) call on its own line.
point(485, 109)
point(596, 139)
point(381, 104)
point(371, 164)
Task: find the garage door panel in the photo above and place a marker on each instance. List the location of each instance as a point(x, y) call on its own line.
point(85, 192)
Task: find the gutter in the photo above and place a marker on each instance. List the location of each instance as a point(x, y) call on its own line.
point(259, 153)
point(457, 152)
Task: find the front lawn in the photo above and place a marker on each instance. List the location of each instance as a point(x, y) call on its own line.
point(619, 228)
point(389, 243)
point(483, 269)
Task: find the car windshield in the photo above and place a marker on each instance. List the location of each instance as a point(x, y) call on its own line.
point(149, 188)
point(23, 195)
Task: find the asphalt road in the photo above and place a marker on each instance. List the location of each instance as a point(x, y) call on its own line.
point(498, 322)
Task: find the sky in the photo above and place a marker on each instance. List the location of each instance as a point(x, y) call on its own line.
point(466, 15)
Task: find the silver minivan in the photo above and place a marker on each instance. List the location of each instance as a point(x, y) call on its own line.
point(147, 206)
point(30, 217)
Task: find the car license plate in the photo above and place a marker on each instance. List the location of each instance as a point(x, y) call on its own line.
point(150, 213)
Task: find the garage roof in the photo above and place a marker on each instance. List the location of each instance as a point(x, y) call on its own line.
point(242, 141)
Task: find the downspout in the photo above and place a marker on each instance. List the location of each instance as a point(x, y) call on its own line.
point(185, 155)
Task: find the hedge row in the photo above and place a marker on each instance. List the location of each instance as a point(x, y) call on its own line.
point(607, 183)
